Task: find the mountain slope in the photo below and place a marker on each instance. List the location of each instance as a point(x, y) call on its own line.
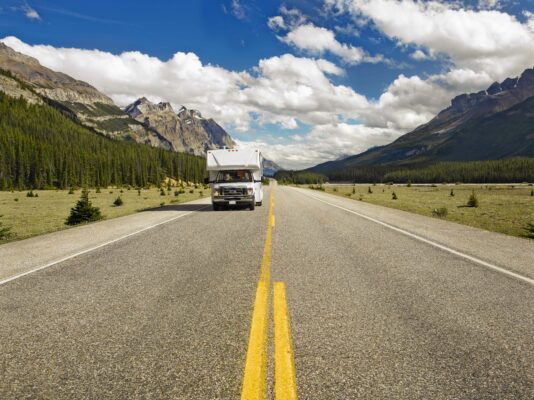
point(142, 122)
point(42, 148)
point(490, 124)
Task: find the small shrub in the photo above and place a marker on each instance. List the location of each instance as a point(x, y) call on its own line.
point(394, 196)
point(440, 212)
point(97, 190)
point(473, 200)
point(369, 190)
point(529, 230)
point(361, 197)
point(409, 184)
point(83, 211)
point(191, 191)
point(532, 193)
point(433, 185)
point(348, 194)
point(451, 193)
point(161, 192)
point(176, 193)
point(71, 191)
point(334, 189)
point(139, 192)
point(201, 193)
point(30, 194)
point(162, 204)
point(121, 191)
point(353, 190)
point(118, 202)
point(5, 232)
point(389, 183)
point(111, 192)
point(16, 199)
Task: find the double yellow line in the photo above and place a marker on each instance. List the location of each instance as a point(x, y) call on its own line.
point(254, 375)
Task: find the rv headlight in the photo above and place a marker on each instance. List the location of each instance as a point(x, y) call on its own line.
point(250, 191)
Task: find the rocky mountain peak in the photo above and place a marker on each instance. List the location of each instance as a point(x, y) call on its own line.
point(498, 96)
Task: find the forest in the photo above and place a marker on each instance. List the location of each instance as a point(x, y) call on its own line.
point(507, 170)
point(40, 148)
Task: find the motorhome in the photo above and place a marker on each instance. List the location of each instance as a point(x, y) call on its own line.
point(235, 177)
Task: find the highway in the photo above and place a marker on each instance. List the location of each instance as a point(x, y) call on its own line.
point(310, 295)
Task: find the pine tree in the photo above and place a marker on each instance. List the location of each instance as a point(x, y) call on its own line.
point(83, 211)
point(473, 200)
point(118, 202)
point(394, 196)
point(4, 230)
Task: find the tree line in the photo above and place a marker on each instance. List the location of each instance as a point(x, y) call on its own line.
point(508, 170)
point(41, 148)
point(299, 177)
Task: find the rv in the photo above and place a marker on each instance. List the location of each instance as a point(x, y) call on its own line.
point(235, 177)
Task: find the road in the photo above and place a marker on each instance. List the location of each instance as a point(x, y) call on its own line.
point(382, 304)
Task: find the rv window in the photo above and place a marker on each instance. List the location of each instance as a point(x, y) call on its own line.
point(234, 176)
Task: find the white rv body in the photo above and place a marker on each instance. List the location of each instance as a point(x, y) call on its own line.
point(235, 177)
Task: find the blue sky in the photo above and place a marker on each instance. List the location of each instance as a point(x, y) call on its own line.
point(307, 81)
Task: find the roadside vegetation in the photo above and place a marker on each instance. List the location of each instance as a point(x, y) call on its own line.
point(48, 210)
point(40, 148)
point(508, 170)
point(507, 209)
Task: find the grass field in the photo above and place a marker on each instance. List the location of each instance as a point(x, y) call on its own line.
point(30, 216)
point(502, 208)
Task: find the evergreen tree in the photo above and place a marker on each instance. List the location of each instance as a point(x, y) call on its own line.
point(4, 230)
point(83, 211)
point(118, 202)
point(473, 200)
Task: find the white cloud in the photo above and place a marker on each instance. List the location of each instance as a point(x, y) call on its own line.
point(276, 23)
point(489, 4)
point(238, 10)
point(317, 41)
point(481, 40)
point(30, 12)
point(324, 142)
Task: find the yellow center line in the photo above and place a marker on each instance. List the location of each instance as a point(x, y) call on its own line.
point(285, 387)
point(254, 375)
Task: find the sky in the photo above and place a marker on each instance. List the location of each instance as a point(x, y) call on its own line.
point(306, 81)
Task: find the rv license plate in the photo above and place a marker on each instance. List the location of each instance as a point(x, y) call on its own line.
point(232, 202)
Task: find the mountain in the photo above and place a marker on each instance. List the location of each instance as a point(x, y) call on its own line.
point(270, 167)
point(186, 130)
point(143, 122)
point(491, 124)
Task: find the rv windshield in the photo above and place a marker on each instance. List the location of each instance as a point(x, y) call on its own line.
point(234, 176)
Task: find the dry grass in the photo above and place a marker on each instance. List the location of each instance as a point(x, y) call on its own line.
point(30, 216)
point(503, 208)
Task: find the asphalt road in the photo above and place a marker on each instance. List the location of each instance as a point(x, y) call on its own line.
point(376, 311)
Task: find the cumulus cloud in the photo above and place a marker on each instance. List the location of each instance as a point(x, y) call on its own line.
point(317, 41)
point(280, 90)
point(481, 40)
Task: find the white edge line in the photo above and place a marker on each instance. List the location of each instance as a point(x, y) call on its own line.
point(12, 278)
point(430, 242)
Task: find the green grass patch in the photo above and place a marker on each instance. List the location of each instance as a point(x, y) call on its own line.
point(501, 208)
point(31, 216)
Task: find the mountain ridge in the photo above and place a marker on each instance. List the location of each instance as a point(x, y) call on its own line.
point(185, 131)
point(442, 138)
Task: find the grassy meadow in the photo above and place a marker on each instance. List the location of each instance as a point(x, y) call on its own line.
point(506, 209)
point(30, 216)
